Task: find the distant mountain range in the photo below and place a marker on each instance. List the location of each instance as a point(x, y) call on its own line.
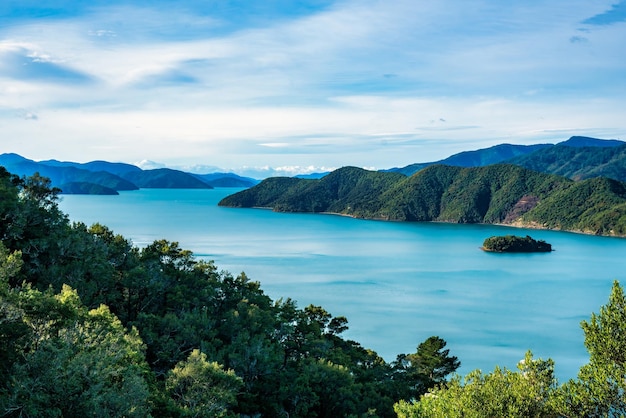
point(101, 177)
point(577, 158)
point(588, 194)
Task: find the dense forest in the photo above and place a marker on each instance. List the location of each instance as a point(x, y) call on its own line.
point(495, 194)
point(91, 325)
point(577, 163)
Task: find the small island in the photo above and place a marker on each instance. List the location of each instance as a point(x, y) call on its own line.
point(515, 244)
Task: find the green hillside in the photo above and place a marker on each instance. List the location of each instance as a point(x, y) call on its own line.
point(501, 193)
point(577, 163)
point(595, 206)
point(476, 158)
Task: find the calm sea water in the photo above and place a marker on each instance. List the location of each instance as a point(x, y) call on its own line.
point(397, 283)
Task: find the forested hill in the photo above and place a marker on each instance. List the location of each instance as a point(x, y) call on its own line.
point(501, 193)
point(577, 162)
point(591, 155)
point(476, 158)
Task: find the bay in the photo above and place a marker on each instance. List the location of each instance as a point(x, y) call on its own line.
point(397, 282)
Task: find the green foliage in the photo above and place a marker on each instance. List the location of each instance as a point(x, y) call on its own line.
point(156, 331)
point(515, 244)
point(428, 367)
point(419, 197)
point(201, 388)
point(499, 394)
point(270, 190)
point(10, 264)
point(596, 206)
point(349, 190)
point(142, 324)
point(73, 361)
point(600, 388)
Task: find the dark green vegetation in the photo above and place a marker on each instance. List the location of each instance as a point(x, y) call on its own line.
point(91, 325)
point(496, 194)
point(101, 177)
point(578, 157)
point(515, 244)
point(533, 391)
point(478, 158)
point(577, 163)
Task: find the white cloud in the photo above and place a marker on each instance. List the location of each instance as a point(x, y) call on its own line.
point(316, 90)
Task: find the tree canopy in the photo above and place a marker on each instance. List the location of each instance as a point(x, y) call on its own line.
point(90, 322)
point(515, 244)
point(93, 325)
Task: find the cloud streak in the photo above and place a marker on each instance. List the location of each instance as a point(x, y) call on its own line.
point(616, 14)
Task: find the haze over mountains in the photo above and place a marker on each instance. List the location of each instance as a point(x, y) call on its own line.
point(101, 177)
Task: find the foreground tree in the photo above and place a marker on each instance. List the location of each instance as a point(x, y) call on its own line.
point(500, 394)
point(600, 390)
point(72, 361)
point(415, 373)
point(67, 352)
point(201, 388)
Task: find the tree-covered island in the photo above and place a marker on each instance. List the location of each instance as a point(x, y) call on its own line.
point(515, 244)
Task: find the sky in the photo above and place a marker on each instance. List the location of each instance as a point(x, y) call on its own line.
point(267, 87)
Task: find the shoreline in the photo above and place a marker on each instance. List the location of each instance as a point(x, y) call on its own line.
point(517, 224)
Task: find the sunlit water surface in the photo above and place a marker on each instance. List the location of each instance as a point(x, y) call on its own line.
point(397, 283)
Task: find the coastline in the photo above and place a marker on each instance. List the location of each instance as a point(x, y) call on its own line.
point(516, 224)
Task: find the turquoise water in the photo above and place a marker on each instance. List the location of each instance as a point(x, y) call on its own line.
point(397, 283)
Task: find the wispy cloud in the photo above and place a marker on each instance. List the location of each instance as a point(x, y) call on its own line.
point(22, 63)
point(316, 83)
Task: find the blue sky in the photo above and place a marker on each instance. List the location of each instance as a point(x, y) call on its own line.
point(277, 86)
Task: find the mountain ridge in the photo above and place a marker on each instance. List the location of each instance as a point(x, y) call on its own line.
point(503, 153)
point(578, 158)
point(496, 194)
point(102, 177)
